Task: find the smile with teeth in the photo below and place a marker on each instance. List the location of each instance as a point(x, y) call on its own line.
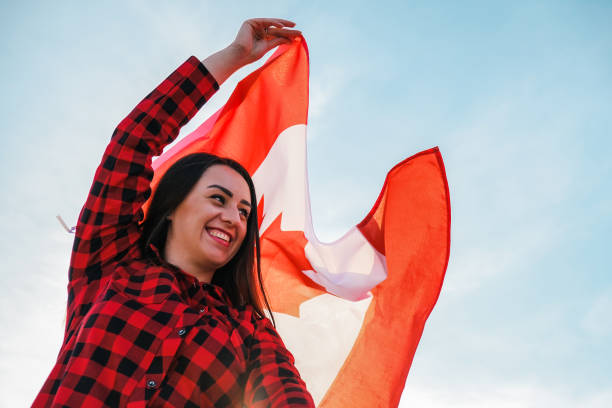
point(220, 235)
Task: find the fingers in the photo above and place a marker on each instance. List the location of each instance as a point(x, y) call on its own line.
point(277, 22)
point(273, 26)
point(269, 29)
point(259, 35)
point(282, 32)
point(276, 42)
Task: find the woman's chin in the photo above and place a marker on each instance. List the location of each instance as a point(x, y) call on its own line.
point(215, 254)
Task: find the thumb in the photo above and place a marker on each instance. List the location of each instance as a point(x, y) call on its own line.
point(277, 41)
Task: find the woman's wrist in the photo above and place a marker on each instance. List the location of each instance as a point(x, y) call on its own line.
point(225, 62)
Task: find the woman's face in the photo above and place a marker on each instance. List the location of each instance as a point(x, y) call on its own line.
point(208, 227)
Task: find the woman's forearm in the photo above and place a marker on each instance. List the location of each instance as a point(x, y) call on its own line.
point(224, 63)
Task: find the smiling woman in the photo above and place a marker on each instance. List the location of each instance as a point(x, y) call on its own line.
point(201, 220)
point(166, 313)
point(209, 225)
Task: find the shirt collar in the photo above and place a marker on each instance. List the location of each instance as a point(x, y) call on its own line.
point(188, 283)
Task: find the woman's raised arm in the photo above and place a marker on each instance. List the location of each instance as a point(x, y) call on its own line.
point(107, 228)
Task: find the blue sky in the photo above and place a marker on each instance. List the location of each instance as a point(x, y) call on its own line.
point(515, 94)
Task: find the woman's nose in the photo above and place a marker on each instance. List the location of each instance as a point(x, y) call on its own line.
point(231, 215)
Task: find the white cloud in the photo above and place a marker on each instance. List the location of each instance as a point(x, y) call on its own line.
point(32, 311)
point(598, 321)
point(501, 395)
point(326, 87)
point(511, 174)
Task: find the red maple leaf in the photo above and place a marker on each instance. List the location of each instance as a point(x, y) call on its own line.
point(282, 261)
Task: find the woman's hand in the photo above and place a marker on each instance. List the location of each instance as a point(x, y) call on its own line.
point(255, 38)
point(259, 35)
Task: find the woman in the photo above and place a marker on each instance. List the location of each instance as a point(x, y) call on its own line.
point(166, 313)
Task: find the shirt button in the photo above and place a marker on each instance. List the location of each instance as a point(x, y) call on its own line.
point(151, 384)
point(182, 332)
point(203, 309)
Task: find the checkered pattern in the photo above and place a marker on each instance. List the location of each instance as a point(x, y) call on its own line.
point(140, 332)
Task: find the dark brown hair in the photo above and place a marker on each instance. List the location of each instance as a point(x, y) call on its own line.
point(236, 277)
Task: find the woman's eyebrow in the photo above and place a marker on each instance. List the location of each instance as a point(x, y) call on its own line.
point(229, 193)
point(225, 190)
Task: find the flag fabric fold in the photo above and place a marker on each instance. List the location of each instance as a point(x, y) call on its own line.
point(352, 312)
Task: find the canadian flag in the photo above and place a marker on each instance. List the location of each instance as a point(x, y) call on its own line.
point(352, 311)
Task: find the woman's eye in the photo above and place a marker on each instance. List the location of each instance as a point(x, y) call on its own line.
point(244, 213)
point(218, 198)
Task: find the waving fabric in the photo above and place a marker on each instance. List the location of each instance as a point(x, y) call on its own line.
point(352, 312)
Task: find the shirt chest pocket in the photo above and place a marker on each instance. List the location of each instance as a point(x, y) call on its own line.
point(212, 341)
point(207, 357)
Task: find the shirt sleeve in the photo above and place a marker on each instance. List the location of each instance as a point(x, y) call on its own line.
point(273, 380)
point(107, 227)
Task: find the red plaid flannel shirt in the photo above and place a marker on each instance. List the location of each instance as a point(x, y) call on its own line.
point(140, 332)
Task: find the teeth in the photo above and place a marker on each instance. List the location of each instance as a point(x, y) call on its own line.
point(219, 234)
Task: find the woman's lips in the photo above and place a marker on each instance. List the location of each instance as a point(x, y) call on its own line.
point(219, 236)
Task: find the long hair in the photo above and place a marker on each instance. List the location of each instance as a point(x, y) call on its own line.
point(236, 277)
